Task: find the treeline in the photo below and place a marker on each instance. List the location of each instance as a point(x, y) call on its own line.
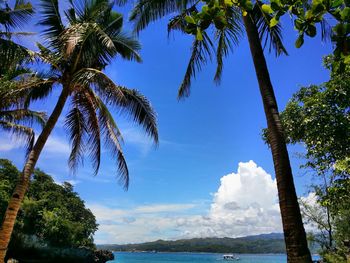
point(53, 223)
point(258, 244)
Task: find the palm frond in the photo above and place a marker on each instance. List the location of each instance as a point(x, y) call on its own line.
point(51, 20)
point(201, 52)
point(113, 138)
point(21, 132)
point(127, 46)
point(87, 106)
point(129, 101)
point(12, 55)
point(102, 84)
point(24, 116)
point(271, 36)
point(141, 111)
point(10, 35)
point(178, 22)
point(17, 16)
point(227, 38)
point(147, 11)
point(76, 125)
point(24, 91)
point(41, 89)
point(53, 59)
point(120, 2)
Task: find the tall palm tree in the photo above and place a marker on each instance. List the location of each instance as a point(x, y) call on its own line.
point(227, 19)
point(77, 54)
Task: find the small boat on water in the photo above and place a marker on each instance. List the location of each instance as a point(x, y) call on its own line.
point(230, 257)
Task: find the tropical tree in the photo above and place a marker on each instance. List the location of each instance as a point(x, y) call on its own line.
point(77, 53)
point(12, 53)
point(195, 17)
point(14, 116)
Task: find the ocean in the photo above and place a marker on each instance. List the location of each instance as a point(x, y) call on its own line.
point(126, 257)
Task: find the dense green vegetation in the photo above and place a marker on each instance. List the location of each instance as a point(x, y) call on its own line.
point(273, 243)
point(52, 215)
point(319, 117)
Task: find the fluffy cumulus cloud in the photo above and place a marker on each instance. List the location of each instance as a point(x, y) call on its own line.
point(244, 204)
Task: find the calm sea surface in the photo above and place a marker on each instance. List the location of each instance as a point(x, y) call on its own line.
point(124, 257)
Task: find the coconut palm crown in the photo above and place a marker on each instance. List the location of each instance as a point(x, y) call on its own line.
point(77, 53)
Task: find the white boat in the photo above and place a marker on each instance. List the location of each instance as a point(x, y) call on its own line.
point(230, 257)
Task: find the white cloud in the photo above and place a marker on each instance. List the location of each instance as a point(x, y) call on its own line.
point(54, 144)
point(163, 208)
point(310, 208)
point(138, 138)
point(57, 145)
point(244, 204)
point(8, 143)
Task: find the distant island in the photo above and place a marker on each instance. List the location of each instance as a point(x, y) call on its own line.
point(259, 244)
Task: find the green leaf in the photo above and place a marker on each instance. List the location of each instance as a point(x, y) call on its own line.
point(190, 20)
point(298, 23)
point(345, 14)
point(273, 22)
point(300, 41)
point(318, 8)
point(336, 3)
point(229, 3)
point(275, 4)
point(311, 30)
point(199, 35)
point(267, 9)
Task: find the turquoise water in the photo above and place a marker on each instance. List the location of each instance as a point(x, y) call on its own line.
point(124, 257)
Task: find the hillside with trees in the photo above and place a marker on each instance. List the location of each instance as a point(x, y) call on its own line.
point(270, 243)
point(53, 221)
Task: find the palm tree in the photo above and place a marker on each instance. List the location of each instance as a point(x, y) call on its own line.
point(77, 54)
point(227, 19)
point(14, 116)
point(12, 53)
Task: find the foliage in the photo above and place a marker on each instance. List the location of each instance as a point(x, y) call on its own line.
point(51, 214)
point(197, 18)
point(319, 118)
point(308, 14)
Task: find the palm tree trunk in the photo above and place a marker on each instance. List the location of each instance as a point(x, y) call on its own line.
point(22, 186)
point(293, 228)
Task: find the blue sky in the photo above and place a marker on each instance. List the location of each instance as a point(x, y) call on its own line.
point(201, 167)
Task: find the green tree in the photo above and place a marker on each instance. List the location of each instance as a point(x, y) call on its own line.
point(77, 54)
point(52, 214)
point(318, 117)
point(194, 18)
point(308, 14)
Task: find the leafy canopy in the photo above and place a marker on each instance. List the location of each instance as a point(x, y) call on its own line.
point(51, 214)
